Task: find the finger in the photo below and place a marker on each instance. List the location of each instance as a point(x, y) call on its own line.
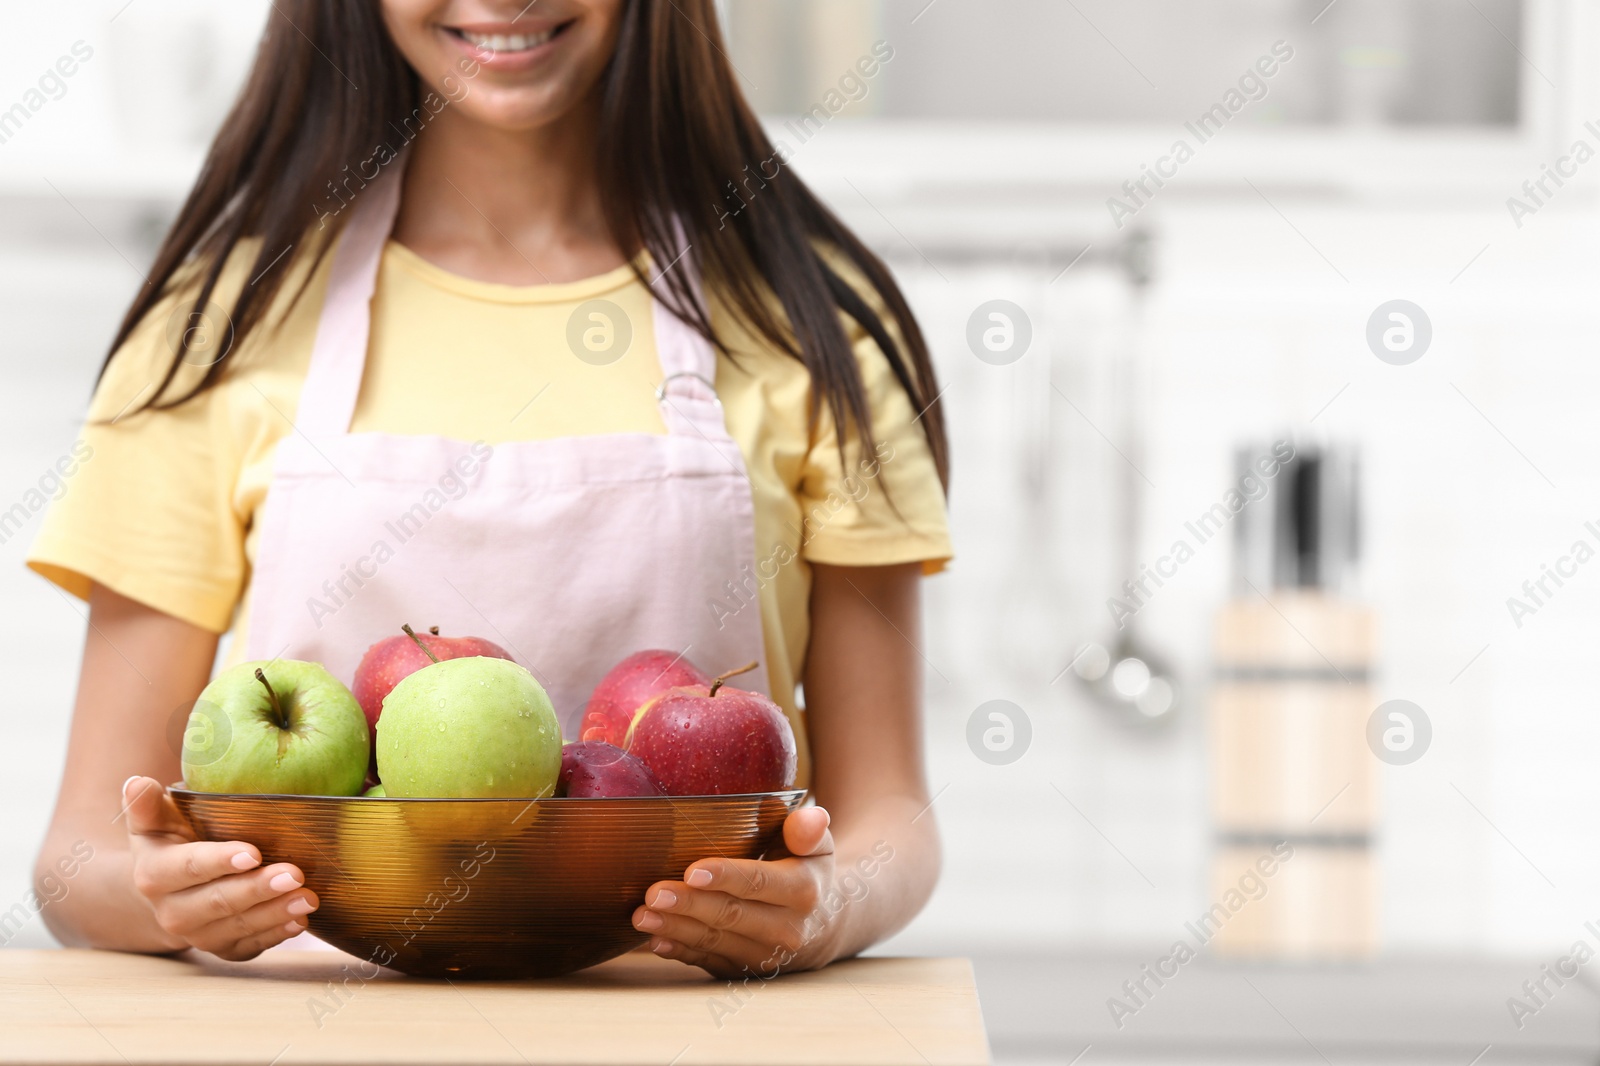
point(717, 967)
point(260, 919)
point(192, 910)
point(252, 946)
point(783, 882)
point(162, 869)
point(763, 923)
point(806, 832)
point(151, 812)
point(712, 948)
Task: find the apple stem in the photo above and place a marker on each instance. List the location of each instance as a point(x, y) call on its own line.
point(272, 697)
point(717, 681)
point(408, 631)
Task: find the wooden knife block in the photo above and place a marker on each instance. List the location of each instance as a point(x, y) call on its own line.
point(1290, 763)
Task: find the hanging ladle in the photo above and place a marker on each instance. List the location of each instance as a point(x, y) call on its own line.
point(1123, 674)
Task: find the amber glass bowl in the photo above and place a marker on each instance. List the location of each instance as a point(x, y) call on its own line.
point(487, 888)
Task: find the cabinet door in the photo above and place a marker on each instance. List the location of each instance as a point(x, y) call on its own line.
point(1352, 63)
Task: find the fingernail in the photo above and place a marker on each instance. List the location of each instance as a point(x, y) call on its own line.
point(284, 882)
point(698, 878)
point(660, 947)
point(650, 920)
point(294, 928)
point(666, 899)
point(245, 861)
point(300, 905)
point(131, 779)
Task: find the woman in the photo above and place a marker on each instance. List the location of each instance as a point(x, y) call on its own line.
point(442, 237)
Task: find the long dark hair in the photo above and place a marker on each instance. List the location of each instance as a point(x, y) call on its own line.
point(676, 137)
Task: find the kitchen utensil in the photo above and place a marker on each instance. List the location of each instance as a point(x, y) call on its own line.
point(1125, 675)
point(1288, 717)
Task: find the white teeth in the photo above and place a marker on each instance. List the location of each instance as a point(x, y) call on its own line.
point(513, 42)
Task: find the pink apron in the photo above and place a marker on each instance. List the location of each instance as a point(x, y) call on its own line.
point(570, 553)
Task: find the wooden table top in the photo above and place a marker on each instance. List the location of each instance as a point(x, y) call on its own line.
point(292, 1008)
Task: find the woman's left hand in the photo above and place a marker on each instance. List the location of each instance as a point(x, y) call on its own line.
point(734, 917)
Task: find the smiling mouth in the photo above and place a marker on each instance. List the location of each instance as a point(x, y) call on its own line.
point(508, 43)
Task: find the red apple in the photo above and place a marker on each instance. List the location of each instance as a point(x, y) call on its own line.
point(595, 768)
point(710, 740)
point(629, 685)
point(392, 659)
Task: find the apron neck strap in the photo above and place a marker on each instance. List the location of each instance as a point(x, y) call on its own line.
point(333, 381)
point(688, 361)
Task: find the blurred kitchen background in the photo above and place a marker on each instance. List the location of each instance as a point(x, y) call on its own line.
point(1150, 344)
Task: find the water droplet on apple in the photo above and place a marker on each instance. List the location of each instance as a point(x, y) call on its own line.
point(441, 727)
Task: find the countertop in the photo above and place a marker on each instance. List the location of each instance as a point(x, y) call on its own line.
point(1046, 1008)
point(300, 1007)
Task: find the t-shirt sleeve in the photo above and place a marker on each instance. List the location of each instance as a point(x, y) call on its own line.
point(148, 512)
point(880, 507)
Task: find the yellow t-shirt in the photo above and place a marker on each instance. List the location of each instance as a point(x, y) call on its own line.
point(165, 510)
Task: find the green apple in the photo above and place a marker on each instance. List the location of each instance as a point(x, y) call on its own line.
point(376, 792)
point(467, 728)
point(282, 726)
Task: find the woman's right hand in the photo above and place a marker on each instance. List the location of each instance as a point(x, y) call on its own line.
point(214, 896)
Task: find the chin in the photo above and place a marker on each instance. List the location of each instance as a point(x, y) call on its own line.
point(514, 111)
